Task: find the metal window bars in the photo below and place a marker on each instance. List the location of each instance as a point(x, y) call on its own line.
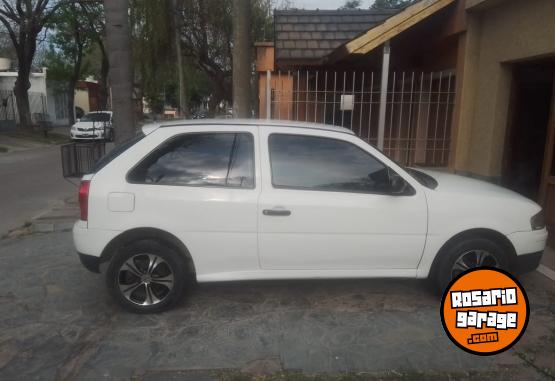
point(419, 108)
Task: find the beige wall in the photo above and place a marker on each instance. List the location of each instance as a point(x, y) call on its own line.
point(496, 36)
point(82, 100)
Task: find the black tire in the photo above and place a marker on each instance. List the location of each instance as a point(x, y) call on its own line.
point(446, 270)
point(120, 277)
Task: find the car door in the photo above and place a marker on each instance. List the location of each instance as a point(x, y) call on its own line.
point(201, 185)
point(326, 205)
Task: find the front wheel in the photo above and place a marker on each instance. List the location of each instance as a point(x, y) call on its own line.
point(469, 254)
point(146, 277)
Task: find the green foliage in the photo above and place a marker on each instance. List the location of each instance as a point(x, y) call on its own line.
point(70, 39)
point(154, 50)
point(351, 4)
point(206, 40)
point(388, 4)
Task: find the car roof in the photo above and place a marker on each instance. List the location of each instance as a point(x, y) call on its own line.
point(148, 128)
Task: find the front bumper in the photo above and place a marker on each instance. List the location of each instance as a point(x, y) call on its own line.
point(526, 263)
point(86, 135)
point(528, 242)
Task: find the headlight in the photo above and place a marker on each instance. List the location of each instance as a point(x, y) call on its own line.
point(538, 221)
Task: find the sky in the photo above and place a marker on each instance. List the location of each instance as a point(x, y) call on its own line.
point(326, 4)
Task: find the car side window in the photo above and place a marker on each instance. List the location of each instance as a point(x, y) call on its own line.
point(324, 164)
point(200, 159)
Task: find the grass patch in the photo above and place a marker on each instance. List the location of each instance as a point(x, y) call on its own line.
point(3, 149)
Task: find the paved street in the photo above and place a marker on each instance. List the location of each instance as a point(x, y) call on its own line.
point(57, 322)
point(31, 181)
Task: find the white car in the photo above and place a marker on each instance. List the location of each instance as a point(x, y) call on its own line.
point(227, 200)
point(96, 125)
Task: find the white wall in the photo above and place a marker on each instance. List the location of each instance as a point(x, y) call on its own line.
point(38, 81)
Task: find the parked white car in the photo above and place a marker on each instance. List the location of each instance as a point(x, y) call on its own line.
point(96, 125)
point(227, 200)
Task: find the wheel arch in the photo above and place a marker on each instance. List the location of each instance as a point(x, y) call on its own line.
point(147, 233)
point(490, 234)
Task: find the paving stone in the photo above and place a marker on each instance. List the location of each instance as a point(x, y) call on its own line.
point(58, 322)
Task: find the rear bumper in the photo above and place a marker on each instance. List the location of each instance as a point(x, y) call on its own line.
point(91, 241)
point(526, 263)
point(90, 262)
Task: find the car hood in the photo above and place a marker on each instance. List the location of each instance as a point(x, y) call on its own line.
point(461, 185)
point(89, 125)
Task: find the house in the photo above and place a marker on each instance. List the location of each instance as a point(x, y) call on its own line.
point(465, 85)
point(87, 98)
point(46, 97)
point(8, 106)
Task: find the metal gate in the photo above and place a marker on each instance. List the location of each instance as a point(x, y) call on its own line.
point(8, 105)
point(418, 108)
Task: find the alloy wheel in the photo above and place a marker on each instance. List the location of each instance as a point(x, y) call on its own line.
point(473, 259)
point(145, 279)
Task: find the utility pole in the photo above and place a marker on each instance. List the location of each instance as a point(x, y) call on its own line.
point(183, 111)
point(241, 59)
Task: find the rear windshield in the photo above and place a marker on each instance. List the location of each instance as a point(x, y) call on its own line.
point(118, 150)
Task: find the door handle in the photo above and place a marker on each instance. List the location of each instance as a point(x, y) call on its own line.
point(276, 212)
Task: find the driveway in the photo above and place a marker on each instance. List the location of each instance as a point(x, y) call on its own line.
point(57, 322)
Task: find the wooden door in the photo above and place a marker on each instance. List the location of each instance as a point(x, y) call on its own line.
point(547, 188)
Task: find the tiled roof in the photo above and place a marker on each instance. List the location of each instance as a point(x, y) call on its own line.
point(310, 35)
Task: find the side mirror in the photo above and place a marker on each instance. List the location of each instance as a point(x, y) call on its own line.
point(397, 185)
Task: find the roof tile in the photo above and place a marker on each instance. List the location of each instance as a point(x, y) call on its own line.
point(313, 34)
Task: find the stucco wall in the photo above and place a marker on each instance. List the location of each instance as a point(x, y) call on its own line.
point(37, 80)
point(496, 37)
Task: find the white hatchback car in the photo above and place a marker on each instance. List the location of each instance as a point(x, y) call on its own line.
point(234, 200)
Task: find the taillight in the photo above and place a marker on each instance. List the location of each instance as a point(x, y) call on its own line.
point(84, 199)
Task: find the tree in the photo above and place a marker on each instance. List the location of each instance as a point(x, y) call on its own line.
point(72, 36)
point(24, 20)
point(207, 40)
point(206, 36)
point(389, 4)
point(94, 14)
point(241, 59)
point(118, 42)
point(154, 51)
point(351, 4)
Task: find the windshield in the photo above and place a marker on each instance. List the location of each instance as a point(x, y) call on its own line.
point(96, 117)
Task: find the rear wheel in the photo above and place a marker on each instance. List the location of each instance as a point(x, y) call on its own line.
point(469, 254)
point(146, 277)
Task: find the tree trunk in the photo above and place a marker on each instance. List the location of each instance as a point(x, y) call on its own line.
point(241, 59)
point(118, 43)
point(103, 82)
point(21, 91)
point(183, 108)
point(71, 102)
